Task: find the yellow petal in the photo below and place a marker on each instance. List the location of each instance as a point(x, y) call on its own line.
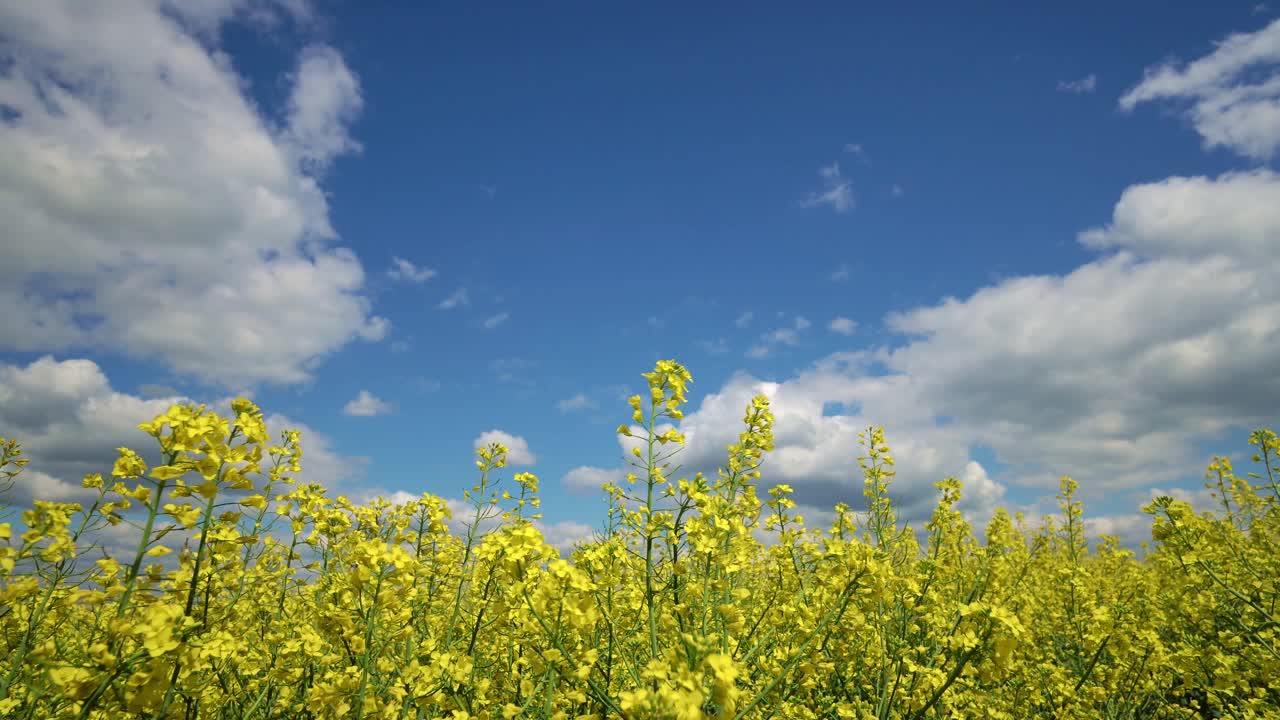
point(168, 472)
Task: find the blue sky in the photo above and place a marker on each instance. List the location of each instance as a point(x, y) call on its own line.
point(1030, 243)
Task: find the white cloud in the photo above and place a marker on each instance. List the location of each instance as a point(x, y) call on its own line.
point(70, 421)
point(37, 485)
point(586, 480)
point(837, 193)
point(496, 320)
point(577, 402)
point(843, 325)
point(517, 447)
point(398, 497)
point(325, 101)
point(1084, 85)
point(404, 270)
point(164, 199)
point(896, 190)
point(1111, 373)
point(1232, 94)
point(1132, 528)
point(817, 454)
point(781, 336)
point(563, 535)
point(1115, 368)
point(980, 495)
point(458, 298)
point(744, 319)
point(366, 404)
point(1236, 214)
point(841, 273)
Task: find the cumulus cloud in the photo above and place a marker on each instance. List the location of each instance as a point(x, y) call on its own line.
point(836, 193)
point(366, 404)
point(744, 319)
point(814, 453)
point(404, 270)
point(518, 452)
point(1236, 214)
point(70, 422)
point(163, 198)
point(1231, 95)
point(1111, 373)
point(981, 495)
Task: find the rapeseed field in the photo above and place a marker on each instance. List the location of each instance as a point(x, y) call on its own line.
point(250, 595)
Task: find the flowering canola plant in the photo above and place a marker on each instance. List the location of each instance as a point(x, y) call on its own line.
point(245, 594)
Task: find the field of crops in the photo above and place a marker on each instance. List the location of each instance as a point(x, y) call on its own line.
point(249, 595)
